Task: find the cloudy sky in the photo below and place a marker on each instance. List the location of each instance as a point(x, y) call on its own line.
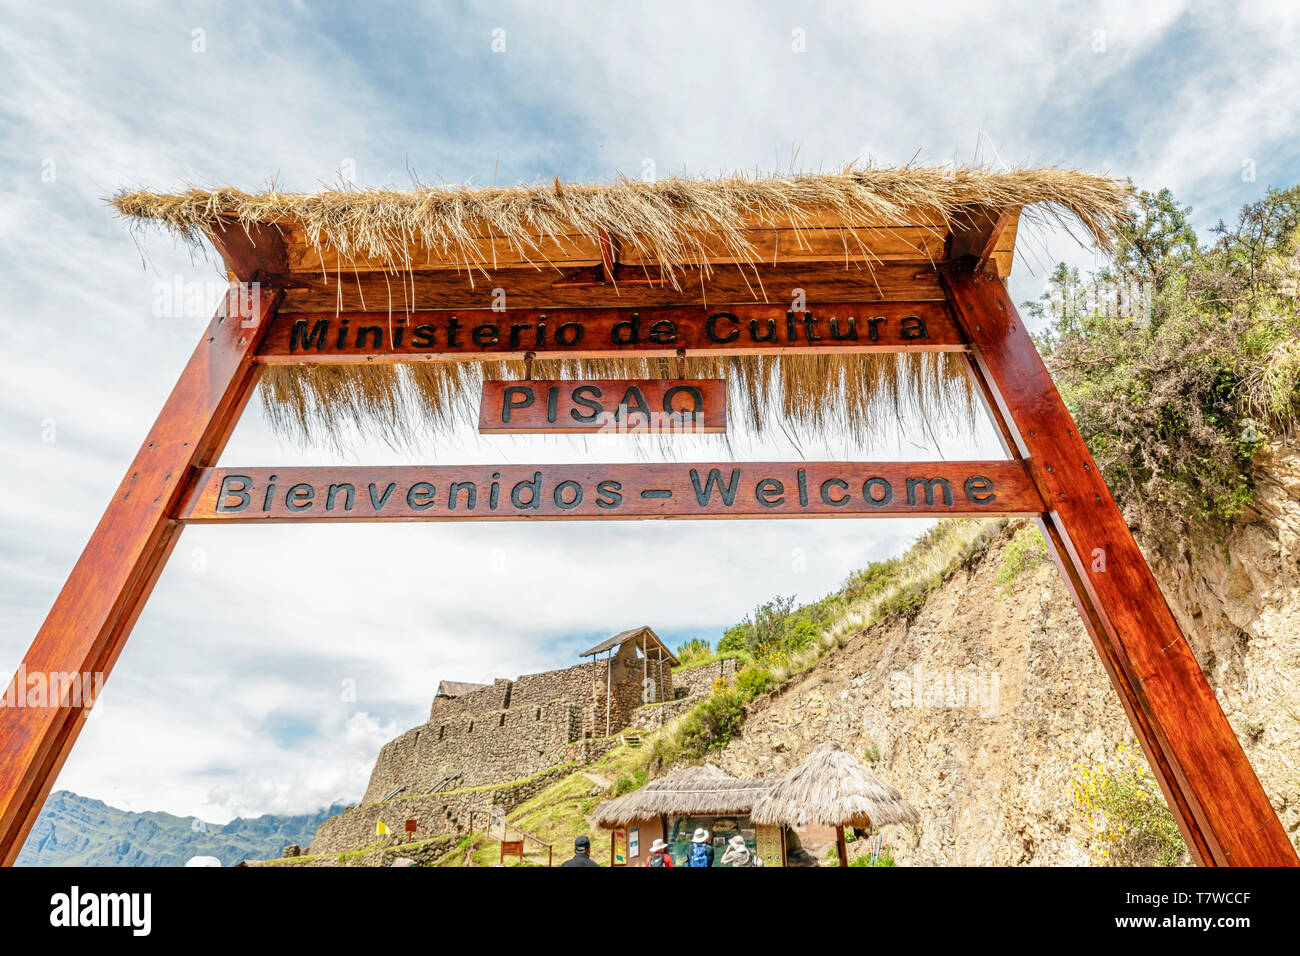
point(230, 697)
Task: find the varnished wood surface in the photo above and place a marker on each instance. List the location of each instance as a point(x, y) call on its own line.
point(752, 329)
point(542, 287)
point(608, 406)
point(613, 491)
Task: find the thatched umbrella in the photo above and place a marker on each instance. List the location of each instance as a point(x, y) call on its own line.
point(833, 789)
point(693, 791)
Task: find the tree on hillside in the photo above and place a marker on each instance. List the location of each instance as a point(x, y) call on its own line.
point(1181, 360)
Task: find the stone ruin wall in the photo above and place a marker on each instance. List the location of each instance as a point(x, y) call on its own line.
point(514, 729)
point(553, 719)
point(698, 681)
point(483, 748)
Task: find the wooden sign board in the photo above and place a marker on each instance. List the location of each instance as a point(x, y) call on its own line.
point(614, 406)
point(749, 329)
point(640, 490)
point(512, 848)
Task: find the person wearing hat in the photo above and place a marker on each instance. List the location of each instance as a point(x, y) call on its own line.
point(737, 853)
point(581, 853)
point(659, 855)
point(701, 851)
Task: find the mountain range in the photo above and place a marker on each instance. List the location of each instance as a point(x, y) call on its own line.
point(73, 830)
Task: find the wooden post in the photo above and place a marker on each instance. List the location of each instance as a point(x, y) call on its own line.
point(841, 846)
point(1223, 812)
point(98, 605)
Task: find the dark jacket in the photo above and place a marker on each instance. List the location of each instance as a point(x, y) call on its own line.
point(580, 859)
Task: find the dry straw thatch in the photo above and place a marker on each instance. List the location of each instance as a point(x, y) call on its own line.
point(833, 789)
point(850, 397)
point(693, 791)
point(671, 220)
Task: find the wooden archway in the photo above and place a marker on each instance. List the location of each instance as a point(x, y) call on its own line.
point(955, 301)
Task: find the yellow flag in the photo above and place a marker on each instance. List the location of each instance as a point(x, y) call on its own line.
point(381, 829)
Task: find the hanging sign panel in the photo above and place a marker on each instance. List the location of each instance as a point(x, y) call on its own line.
point(477, 334)
point(652, 490)
point(619, 406)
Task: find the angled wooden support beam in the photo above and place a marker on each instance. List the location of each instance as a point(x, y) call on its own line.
point(94, 613)
point(1222, 810)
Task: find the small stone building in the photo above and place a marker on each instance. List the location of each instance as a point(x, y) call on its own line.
point(480, 734)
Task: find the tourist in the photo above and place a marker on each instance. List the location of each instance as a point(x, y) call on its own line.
point(581, 853)
point(701, 851)
point(659, 855)
point(737, 853)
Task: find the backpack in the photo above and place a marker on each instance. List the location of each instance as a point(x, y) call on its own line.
point(699, 855)
point(656, 859)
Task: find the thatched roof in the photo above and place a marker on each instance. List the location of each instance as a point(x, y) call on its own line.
point(831, 788)
point(694, 791)
point(674, 221)
point(856, 219)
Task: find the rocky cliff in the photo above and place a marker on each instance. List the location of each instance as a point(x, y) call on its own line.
point(982, 703)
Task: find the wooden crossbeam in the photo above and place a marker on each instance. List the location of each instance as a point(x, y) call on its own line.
point(466, 335)
point(537, 287)
point(602, 492)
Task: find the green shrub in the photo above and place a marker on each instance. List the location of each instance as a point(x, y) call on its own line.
point(753, 681)
point(627, 782)
point(694, 652)
point(1024, 551)
point(1125, 814)
point(1180, 360)
point(733, 639)
point(711, 724)
point(803, 634)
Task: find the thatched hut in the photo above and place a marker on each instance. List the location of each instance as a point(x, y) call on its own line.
point(674, 806)
point(831, 788)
